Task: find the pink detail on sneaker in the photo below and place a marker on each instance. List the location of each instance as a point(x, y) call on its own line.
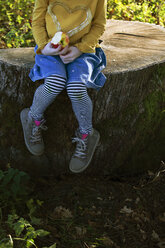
point(84, 136)
point(37, 123)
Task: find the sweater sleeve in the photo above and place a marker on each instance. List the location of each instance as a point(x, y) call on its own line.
point(38, 24)
point(90, 40)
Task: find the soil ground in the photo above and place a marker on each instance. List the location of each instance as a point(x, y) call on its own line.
point(97, 212)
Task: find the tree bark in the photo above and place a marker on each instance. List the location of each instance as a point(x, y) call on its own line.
point(128, 110)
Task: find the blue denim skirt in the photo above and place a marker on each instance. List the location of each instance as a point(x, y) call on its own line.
point(87, 68)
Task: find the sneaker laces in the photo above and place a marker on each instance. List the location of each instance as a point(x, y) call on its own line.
point(81, 147)
point(36, 136)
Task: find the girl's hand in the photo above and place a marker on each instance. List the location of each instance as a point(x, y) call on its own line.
point(50, 51)
point(72, 54)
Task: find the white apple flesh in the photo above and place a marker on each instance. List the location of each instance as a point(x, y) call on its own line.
point(60, 38)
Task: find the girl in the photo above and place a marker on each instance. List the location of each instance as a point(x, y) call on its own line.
point(76, 67)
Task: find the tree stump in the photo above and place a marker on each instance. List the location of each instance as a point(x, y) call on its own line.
point(128, 110)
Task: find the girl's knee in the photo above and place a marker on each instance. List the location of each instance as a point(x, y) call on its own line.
point(76, 90)
point(54, 85)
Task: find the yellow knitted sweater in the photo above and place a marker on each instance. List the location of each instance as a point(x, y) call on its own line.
point(83, 20)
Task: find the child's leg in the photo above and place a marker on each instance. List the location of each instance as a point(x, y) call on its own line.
point(82, 105)
point(45, 95)
point(86, 138)
point(32, 121)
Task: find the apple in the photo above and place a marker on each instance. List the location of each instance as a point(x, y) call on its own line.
point(60, 38)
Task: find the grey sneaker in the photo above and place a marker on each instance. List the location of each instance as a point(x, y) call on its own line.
point(84, 151)
point(32, 133)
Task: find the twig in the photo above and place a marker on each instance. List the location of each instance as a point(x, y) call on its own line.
point(157, 174)
point(86, 245)
point(11, 240)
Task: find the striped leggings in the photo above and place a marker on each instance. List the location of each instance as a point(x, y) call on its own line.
point(81, 103)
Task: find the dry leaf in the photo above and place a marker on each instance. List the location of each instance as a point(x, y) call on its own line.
point(126, 210)
point(99, 198)
point(80, 231)
point(143, 234)
point(62, 212)
point(109, 242)
point(137, 200)
point(128, 200)
point(155, 235)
